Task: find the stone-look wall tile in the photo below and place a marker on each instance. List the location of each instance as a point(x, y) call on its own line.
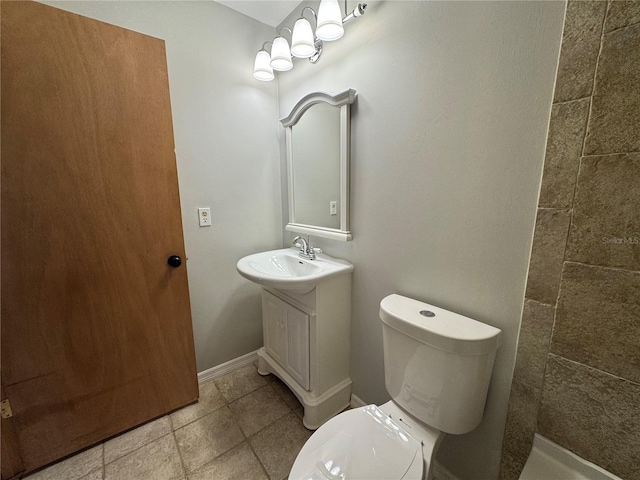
point(567, 129)
point(522, 416)
point(593, 414)
point(510, 466)
point(580, 46)
point(605, 229)
point(614, 124)
point(598, 319)
point(547, 253)
point(622, 13)
point(533, 343)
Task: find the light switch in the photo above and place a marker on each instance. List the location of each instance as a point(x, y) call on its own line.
point(204, 215)
point(333, 207)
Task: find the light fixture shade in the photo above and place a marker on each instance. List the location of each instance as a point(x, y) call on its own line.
point(302, 43)
point(329, 21)
point(262, 67)
point(281, 55)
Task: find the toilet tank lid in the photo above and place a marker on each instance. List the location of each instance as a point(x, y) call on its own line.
point(438, 327)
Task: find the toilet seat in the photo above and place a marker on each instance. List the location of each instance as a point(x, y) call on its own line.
point(363, 443)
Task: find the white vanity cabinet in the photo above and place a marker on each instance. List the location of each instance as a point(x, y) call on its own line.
point(307, 343)
point(286, 336)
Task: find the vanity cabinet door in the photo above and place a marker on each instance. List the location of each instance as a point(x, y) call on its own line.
point(274, 316)
point(298, 345)
point(286, 336)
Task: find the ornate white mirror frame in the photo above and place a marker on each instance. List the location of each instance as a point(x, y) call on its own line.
point(342, 100)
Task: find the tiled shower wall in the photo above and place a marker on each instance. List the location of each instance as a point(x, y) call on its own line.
point(577, 373)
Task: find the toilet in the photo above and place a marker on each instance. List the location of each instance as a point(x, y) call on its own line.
point(437, 368)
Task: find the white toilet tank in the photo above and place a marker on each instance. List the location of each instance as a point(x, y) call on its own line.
point(437, 364)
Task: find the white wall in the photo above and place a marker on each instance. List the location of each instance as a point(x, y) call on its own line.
point(448, 139)
point(225, 127)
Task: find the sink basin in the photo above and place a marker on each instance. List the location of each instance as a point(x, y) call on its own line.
point(285, 270)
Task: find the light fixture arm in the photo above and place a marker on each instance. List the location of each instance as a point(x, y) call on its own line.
point(315, 15)
point(286, 28)
point(357, 12)
point(265, 44)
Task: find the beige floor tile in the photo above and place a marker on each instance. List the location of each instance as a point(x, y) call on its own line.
point(96, 475)
point(158, 460)
point(255, 411)
point(278, 445)
point(208, 437)
point(72, 468)
point(284, 392)
point(239, 463)
point(210, 400)
point(134, 439)
point(240, 382)
point(299, 412)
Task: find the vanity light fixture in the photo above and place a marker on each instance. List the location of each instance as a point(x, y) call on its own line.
point(262, 67)
point(281, 53)
point(304, 44)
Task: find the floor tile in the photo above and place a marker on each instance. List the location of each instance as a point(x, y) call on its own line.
point(130, 441)
point(158, 460)
point(210, 400)
point(208, 437)
point(72, 468)
point(239, 463)
point(255, 411)
point(95, 475)
point(240, 382)
point(278, 445)
point(283, 391)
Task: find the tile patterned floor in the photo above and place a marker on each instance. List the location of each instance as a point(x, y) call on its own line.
point(245, 426)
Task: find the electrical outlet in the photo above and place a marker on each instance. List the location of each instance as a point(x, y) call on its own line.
point(333, 207)
point(204, 216)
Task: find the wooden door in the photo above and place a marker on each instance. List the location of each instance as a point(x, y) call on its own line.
point(96, 326)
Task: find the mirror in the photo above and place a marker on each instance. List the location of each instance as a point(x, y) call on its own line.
point(318, 144)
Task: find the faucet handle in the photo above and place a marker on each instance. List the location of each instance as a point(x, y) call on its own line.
point(315, 250)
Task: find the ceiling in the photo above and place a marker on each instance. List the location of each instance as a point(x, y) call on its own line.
point(271, 12)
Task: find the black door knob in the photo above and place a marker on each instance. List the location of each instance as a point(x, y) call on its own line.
point(175, 261)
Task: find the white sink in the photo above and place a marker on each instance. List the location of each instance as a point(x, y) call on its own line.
point(285, 270)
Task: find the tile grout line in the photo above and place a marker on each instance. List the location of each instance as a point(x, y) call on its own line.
point(175, 440)
point(611, 154)
point(620, 28)
point(620, 269)
point(247, 439)
point(571, 220)
point(604, 372)
point(564, 102)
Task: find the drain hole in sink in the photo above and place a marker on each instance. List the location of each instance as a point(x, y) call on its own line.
point(300, 262)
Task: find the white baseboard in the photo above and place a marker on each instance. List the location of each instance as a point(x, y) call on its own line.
point(226, 367)
point(357, 401)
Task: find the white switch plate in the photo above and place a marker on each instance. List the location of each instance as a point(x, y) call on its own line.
point(333, 207)
point(204, 215)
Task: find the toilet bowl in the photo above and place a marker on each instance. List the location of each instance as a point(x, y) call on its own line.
point(368, 443)
point(425, 347)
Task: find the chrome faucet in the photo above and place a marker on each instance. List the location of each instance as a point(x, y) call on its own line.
point(306, 250)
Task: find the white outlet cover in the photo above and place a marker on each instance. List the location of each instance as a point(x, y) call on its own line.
point(204, 217)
